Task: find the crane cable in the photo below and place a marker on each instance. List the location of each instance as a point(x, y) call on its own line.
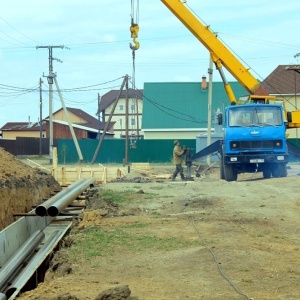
point(134, 29)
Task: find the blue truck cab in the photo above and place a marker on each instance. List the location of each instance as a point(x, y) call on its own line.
point(254, 141)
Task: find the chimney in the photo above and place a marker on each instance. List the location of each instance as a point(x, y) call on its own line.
point(28, 122)
point(203, 83)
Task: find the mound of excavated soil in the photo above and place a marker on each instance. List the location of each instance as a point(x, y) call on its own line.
point(21, 187)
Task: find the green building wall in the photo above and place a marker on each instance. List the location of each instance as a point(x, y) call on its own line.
point(113, 151)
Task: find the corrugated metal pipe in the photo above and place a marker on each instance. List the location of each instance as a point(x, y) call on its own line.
point(34, 263)
point(64, 201)
point(41, 210)
point(15, 262)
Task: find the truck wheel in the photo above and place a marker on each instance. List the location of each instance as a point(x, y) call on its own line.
point(282, 169)
point(230, 173)
point(275, 171)
point(222, 175)
point(267, 173)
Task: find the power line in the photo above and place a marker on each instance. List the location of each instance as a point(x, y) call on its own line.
point(18, 30)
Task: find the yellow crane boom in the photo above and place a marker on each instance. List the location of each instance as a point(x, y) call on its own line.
point(222, 56)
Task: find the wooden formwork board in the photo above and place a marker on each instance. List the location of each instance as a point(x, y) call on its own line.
point(141, 168)
point(67, 175)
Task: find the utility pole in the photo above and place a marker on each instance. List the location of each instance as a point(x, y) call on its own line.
point(41, 118)
point(210, 72)
point(125, 80)
point(126, 123)
point(98, 113)
point(50, 82)
point(69, 121)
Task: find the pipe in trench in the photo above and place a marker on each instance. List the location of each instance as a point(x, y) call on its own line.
point(15, 262)
point(41, 210)
point(64, 201)
point(34, 263)
point(2, 297)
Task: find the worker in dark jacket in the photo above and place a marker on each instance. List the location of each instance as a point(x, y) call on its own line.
point(178, 153)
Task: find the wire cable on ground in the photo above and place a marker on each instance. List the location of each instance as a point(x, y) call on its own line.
point(217, 263)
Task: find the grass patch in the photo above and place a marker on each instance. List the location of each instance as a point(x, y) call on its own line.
point(124, 196)
point(156, 214)
point(157, 188)
point(102, 242)
point(135, 225)
point(118, 197)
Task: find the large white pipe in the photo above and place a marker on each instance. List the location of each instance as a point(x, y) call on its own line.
point(2, 297)
point(64, 201)
point(41, 210)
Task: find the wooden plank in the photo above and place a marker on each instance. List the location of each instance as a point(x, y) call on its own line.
point(141, 168)
point(161, 176)
point(67, 175)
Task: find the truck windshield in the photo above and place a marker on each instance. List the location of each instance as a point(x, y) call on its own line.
point(255, 116)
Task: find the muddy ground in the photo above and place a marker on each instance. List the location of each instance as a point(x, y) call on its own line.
point(205, 239)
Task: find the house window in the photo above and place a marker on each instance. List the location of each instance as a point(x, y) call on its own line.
point(132, 121)
point(121, 107)
point(132, 107)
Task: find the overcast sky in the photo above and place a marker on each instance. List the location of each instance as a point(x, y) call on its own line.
point(96, 54)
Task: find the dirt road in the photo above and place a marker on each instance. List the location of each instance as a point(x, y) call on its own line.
point(207, 239)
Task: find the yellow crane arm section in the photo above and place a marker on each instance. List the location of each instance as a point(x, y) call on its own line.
point(219, 53)
point(221, 56)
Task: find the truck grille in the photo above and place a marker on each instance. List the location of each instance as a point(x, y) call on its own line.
point(256, 145)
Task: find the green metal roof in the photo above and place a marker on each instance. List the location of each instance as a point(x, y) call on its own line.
point(182, 104)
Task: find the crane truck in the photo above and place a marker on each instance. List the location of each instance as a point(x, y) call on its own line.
point(254, 133)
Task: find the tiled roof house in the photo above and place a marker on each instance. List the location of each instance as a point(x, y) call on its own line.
point(11, 130)
point(84, 125)
point(284, 83)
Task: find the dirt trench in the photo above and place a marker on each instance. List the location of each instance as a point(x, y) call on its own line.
point(21, 187)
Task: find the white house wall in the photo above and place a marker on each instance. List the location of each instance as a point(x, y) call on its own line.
point(119, 116)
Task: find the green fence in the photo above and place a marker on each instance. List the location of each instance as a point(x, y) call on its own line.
point(113, 151)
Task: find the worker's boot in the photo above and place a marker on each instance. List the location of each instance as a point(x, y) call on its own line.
point(173, 178)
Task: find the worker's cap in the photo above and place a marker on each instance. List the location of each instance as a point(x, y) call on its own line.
point(176, 142)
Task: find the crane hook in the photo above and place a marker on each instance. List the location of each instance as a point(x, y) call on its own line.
point(134, 29)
